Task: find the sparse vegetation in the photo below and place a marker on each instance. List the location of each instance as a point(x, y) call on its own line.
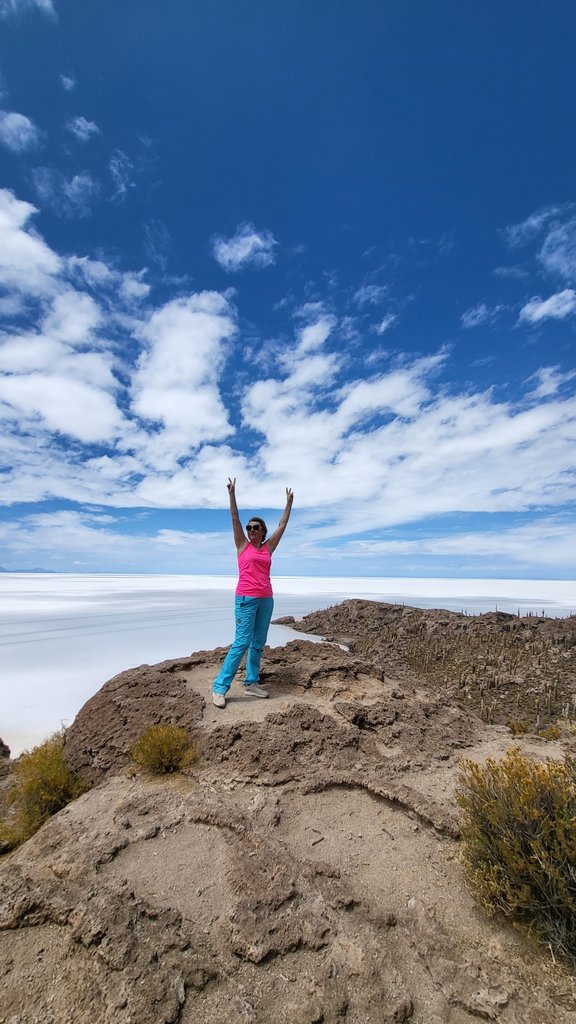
point(550, 732)
point(518, 728)
point(519, 842)
point(502, 667)
point(164, 748)
point(41, 784)
point(567, 726)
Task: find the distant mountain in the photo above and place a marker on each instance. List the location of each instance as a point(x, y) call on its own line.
point(2, 569)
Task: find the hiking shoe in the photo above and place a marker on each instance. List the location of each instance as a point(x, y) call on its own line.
point(218, 700)
point(255, 690)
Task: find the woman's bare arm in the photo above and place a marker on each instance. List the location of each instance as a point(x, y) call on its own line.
point(240, 538)
point(273, 542)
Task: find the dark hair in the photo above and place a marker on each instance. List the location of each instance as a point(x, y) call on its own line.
point(257, 519)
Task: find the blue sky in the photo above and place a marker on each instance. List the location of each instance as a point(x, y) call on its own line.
point(317, 244)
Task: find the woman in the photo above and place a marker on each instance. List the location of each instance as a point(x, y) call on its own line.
point(254, 602)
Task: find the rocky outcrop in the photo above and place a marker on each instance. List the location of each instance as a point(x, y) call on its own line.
point(4, 759)
point(305, 869)
point(502, 666)
point(102, 733)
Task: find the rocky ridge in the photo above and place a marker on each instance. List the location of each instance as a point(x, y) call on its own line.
point(305, 870)
point(4, 759)
point(504, 667)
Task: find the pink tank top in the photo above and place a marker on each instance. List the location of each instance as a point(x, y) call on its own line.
point(254, 572)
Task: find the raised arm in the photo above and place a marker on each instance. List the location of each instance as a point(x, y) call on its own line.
point(240, 539)
point(274, 540)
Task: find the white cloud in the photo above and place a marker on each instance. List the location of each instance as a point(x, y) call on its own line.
point(386, 323)
point(513, 273)
point(549, 380)
point(520, 234)
point(72, 318)
point(557, 226)
point(370, 295)
point(313, 336)
point(66, 197)
point(26, 262)
point(68, 82)
point(247, 247)
point(549, 542)
point(98, 275)
point(12, 306)
point(122, 171)
point(9, 7)
point(481, 314)
point(310, 311)
point(133, 287)
point(175, 385)
point(61, 404)
point(92, 541)
point(18, 132)
point(82, 129)
point(399, 393)
point(99, 363)
point(558, 253)
point(93, 272)
point(557, 307)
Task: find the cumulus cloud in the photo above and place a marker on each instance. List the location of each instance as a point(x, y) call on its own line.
point(18, 132)
point(66, 197)
point(133, 287)
point(62, 404)
point(82, 129)
point(109, 397)
point(556, 307)
point(175, 384)
point(72, 318)
point(27, 264)
point(247, 247)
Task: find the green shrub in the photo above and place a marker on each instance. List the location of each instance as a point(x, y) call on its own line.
point(519, 842)
point(164, 748)
point(41, 784)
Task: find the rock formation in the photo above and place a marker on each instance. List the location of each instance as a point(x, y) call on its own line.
point(305, 869)
point(4, 759)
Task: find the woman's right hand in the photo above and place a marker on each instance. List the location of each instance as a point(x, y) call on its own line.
point(231, 485)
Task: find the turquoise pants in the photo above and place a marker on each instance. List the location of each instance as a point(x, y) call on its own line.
point(252, 616)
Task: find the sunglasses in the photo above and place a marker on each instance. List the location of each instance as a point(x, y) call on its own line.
point(253, 526)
